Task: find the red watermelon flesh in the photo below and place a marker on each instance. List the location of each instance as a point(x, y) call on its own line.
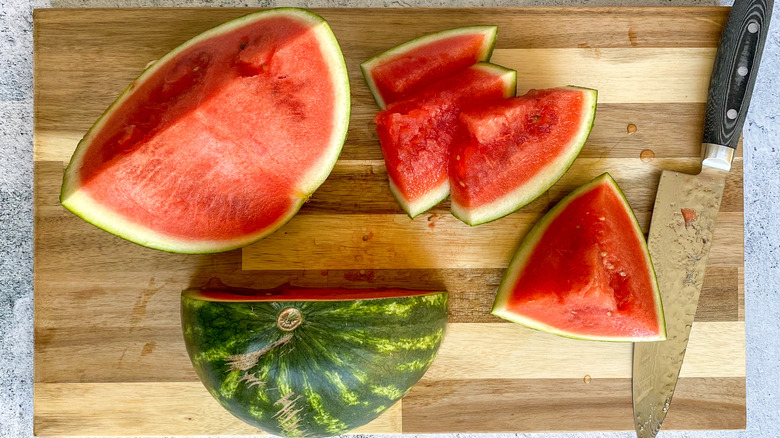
point(216, 290)
point(584, 271)
point(220, 142)
point(513, 150)
point(412, 66)
point(416, 133)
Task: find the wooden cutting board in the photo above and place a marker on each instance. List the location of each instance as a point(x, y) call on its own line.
point(109, 355)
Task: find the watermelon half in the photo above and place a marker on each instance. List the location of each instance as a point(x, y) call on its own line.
point(417, 133)
point(406, 68)
point(584, 271)
point(311, 362)
point(513, 150)
point(221, 141)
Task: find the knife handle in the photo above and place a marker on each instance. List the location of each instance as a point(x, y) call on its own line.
point(734, 72)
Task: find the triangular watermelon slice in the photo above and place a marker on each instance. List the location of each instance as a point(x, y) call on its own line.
point(513, 150)
point(413, 65)
point(221, 141)
point(416, 134)
point(583, 271)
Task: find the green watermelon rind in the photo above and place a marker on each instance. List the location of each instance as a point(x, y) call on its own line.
point(529, 243)
point(425, 203)
point(540, 183)
point(440, 193)
point(367, 66)
point(380, 348)
point(85, 207)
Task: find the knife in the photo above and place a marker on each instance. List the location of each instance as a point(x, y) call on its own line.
point(686, 210)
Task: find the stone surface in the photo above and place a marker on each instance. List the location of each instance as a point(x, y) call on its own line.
point(762, 209)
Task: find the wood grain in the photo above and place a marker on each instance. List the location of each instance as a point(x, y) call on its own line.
point(636, 75)
point(565, 405)
point(107, 311)
point(670, 130)
point(157, 354)
point(67, 409)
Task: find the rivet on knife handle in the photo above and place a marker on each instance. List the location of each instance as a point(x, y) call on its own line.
point(734, 72)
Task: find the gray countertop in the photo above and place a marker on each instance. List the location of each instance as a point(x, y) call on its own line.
point(761, 191)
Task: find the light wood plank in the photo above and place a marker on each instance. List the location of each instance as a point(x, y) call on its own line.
point(668, 129)
point(651, 75)
point(469, 351)
point(144, 409)
point(715, 349)
point(400, 243)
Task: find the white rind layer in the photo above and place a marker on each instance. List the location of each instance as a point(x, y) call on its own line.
point(425, 202)
point(84, 206)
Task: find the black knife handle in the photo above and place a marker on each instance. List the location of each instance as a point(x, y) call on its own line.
point(734, 72)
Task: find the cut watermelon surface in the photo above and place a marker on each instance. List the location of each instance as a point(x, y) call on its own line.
point(220, 142)
point(513, 150)
point(584, 271)
point(416, 134)
point(409, 67)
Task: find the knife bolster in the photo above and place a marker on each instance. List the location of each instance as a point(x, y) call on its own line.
point(717, 156)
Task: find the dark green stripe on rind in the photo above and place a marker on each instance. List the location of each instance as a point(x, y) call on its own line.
point(346, 363)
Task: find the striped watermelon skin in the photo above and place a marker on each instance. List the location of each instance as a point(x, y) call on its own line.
point(346, 363)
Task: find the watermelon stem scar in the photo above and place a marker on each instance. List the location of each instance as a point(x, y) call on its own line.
point(289, 318)
point(310, 362)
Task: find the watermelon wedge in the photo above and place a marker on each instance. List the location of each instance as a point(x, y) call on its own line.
point(583, 271)
point(416, 134)
point(513, 150)
point(411, 66)
point(221, 141)
point(311, 362)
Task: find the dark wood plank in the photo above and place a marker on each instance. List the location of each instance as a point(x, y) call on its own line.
point(535, 405)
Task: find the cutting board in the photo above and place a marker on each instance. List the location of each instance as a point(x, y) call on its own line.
point(109, 355)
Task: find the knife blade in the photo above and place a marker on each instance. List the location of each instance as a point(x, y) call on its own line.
point(686, 210)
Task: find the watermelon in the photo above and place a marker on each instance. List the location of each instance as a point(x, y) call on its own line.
point(221, 141)
point(583, 271)
point(310, 362)
point(513, 150)
point(409, 67)
point(416, 133)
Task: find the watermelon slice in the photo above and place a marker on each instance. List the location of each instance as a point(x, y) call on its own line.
point(221, 141)
point(311, 362)
point(513, 150)
point(411, 66)
point(583, 271)
point(416, 134)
